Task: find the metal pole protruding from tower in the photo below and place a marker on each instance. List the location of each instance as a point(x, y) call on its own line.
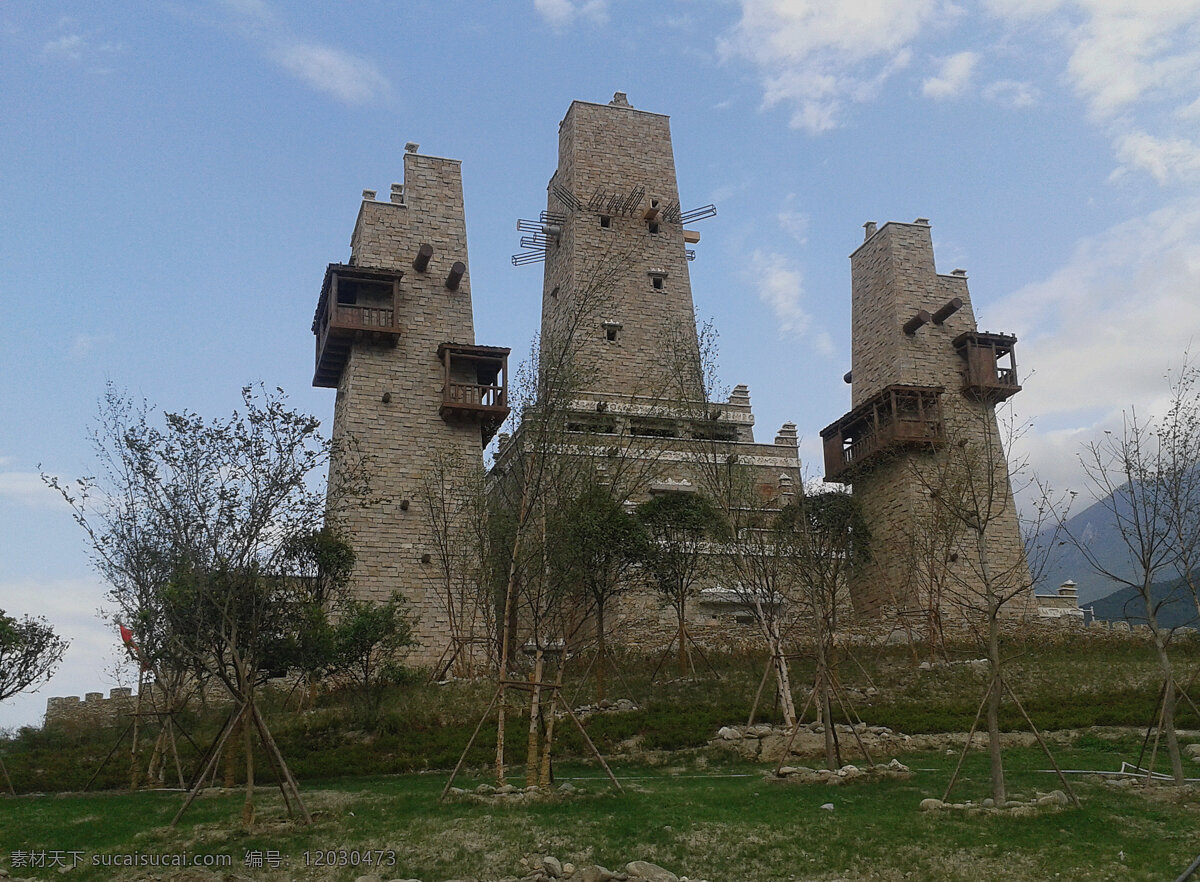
point(921, 318)
point(421, 261)
point(953, 305)
point(456, 274)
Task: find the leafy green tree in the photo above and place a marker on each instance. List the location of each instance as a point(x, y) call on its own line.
point(597, 543)
point(29, 653)
point(198, 524)
point(825, 539)
point(679, 527)
point(370, 641)
point(320, 563)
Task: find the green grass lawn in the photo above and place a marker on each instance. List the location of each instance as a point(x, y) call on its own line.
point(701, 816)
point(700, 813)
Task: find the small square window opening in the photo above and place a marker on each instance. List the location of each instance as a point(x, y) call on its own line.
point(605, 221)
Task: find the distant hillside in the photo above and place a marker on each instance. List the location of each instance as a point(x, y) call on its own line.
point(1095, 527)
point(1177, 609)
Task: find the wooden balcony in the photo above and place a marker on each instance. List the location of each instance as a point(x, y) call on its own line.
point(356, 304)
point(989, 365)
point(474, 386)
point(899, 417)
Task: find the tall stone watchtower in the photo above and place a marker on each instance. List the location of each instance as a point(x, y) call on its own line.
point(395, 336)
point(616, 276)
point(924, 386)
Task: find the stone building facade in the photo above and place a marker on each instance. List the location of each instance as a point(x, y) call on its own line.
point(417, 400)
point(924, 387)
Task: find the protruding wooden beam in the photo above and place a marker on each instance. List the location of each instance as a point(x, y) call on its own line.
point(456, 274)
point(650, 213)
point(953, 305)
point(921, 318)
point(421, 261)
point(691, 236)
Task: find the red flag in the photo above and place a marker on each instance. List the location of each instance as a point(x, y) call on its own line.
point(127, 639)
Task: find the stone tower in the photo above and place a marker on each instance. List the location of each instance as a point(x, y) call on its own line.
point(616, 274)
point(617, 296)
point(616, 286)
point(924, 387)
point(395, 336)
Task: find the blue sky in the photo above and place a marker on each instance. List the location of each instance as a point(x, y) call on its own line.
point(175, 176)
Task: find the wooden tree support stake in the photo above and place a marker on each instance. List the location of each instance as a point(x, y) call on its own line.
point(971, 734)
point(214, 756)
point(7, 779)
point(470, 744)
point(591, 746)
point(1038, 735)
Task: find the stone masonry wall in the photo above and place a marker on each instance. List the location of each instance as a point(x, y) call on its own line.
point(893, 276)
point(393, 538)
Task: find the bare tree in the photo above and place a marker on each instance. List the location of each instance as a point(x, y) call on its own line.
point(930, 548)
point(756, 563)
point(1135, 474)
point(968, 485)
point(1178, 437)
point(535, 470)
point(751, 551)
point(457, 524)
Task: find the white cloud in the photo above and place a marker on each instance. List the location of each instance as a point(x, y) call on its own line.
point(76, 48)
point(793, 222)
point(1122, 50)
point(84, 345)
point(1101, 332)
point(1012, 93)
point(953, 78)
point(824, 343)
point(780, 286)
point(28, 490)
point(350, 78)
point(68, 47)
point(346, 77)
point(560, 13)
point(1167, 160)
point(815, 55)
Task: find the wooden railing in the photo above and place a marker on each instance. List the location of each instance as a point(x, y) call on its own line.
point(474, 395)
point(860, 448)
point(367, 318)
